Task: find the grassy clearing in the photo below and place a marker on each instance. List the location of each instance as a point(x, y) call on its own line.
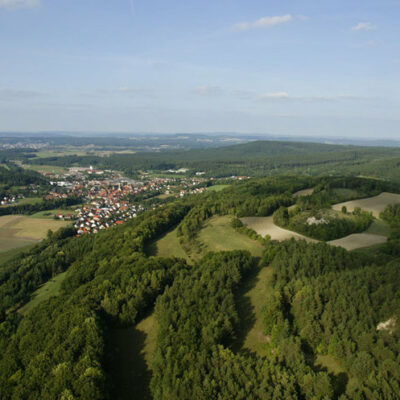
point(217, 188)
point(49, 289)
point(165, 195)
point(36, 228)
point(304, 192)
point(130, 352)
point(358, 240)
point(167, 246)
point(218, 235)
point(265, 226)
point(251, 299)
point(374, 204)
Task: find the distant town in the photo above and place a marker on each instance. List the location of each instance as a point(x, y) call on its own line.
point(108, 198)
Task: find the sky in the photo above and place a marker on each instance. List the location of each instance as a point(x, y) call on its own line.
point(310, 67)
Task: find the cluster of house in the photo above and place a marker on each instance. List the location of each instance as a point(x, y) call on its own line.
point(8, 200)
point(97, 216)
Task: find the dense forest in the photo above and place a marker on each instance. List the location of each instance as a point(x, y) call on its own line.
point(322, 302)
point(257, 158)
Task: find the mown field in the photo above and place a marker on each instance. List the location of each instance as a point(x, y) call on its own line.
point(46, 168)
point(374, 204)
point(304, 192)
point(265, 226)
point(52, 213)
point(167, 246)
point(217, 235)
point(19, 231)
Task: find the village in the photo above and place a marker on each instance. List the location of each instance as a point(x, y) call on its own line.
point(108, 198)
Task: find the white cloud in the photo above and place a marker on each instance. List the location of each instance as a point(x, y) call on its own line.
point(265, 22)
point(364, 26)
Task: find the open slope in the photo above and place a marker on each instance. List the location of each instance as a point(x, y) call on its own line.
point(265, 226)
point(374, 204)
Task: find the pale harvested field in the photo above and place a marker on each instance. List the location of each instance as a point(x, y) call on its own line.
point(19, 230)
point(265, 226)
point(304, 192)
point(37, 228)
point(358, 240)
point(375, 204)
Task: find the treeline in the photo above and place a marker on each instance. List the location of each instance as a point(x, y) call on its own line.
point(327, 301)
point(21, 276)
point(43, 205)
point(259, 158)
point(391, 215)
point(11, 175)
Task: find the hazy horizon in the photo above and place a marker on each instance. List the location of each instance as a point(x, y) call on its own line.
point(291, 69)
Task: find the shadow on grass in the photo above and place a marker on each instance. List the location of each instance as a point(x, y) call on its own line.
point(126, 366)
point(245, 308)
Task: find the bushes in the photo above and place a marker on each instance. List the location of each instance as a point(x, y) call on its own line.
point(323, 224)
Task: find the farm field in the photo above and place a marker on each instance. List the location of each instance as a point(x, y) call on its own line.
point(218, 235)
point(49, 289)
point(19, 231)
point(304, 192)
point(46, 168)
point(265, 226)
point(374, 204)
point(358, 240)
point(376, 234)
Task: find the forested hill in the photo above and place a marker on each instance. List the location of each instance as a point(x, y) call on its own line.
point(322, 303)
point(257, 158)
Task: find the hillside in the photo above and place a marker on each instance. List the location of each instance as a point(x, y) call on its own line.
point(254, 158)
point(118, 313)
